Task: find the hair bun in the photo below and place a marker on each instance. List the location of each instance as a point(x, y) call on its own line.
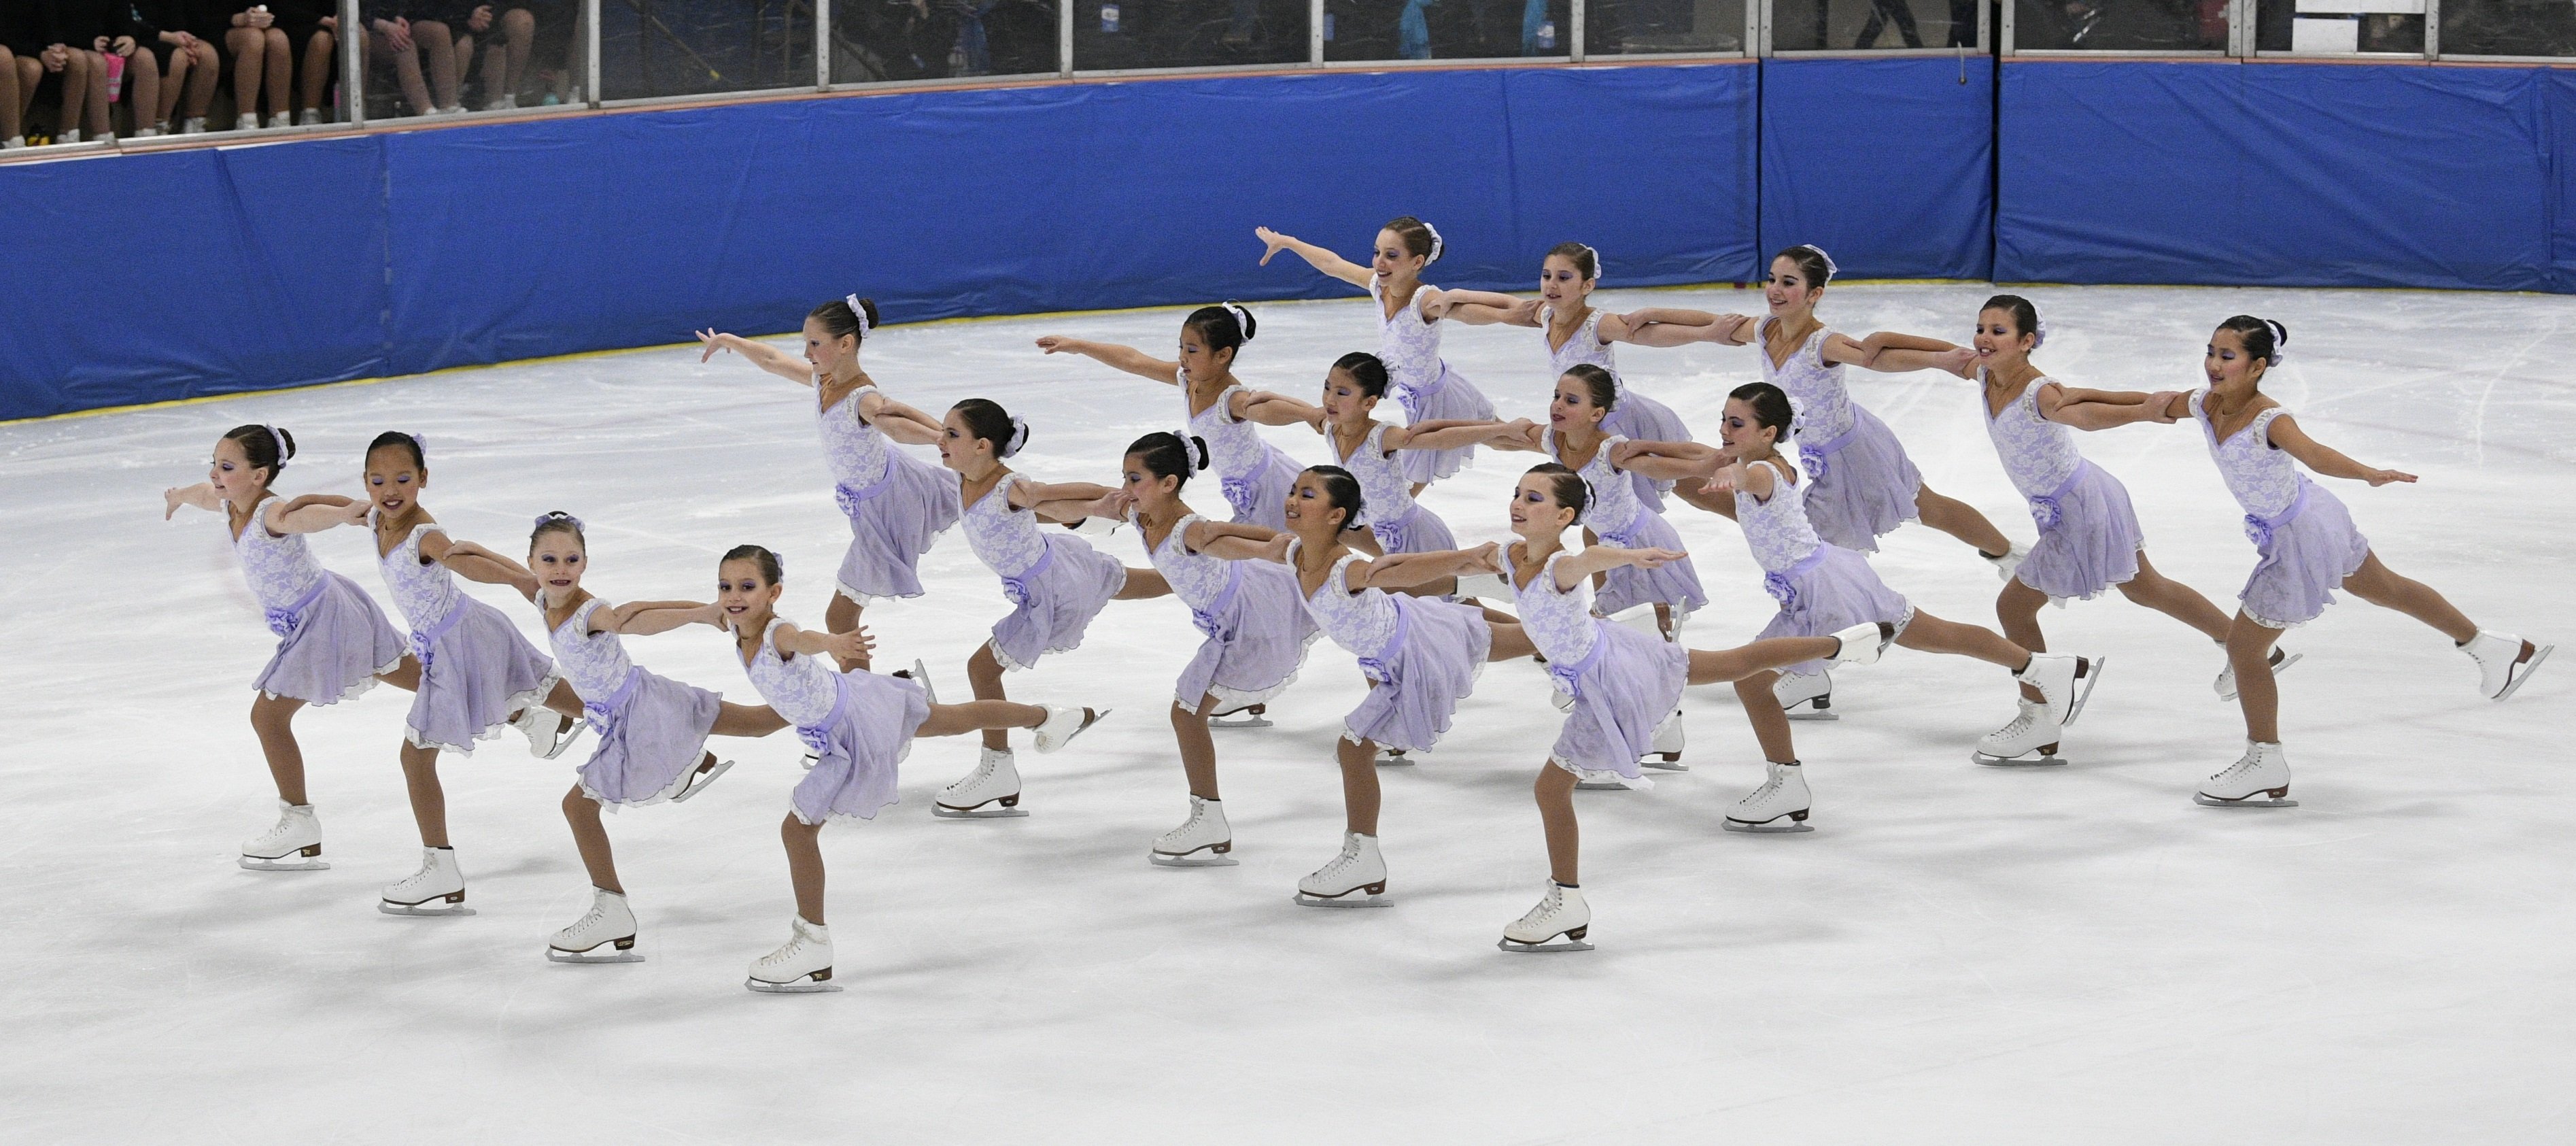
point(1019, 436)
point(1199, 458)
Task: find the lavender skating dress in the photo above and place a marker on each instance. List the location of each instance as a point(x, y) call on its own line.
point(897, 503)
point(1255, 475)
point(1619, 517)
point(652, 730)
point(2088, 534)
point(1256, 631)
point(476, 671)
point(332, 640)
point(1623, 682)
point(859, 725)
point(1056, 582)
point(1400, 524)
point(1424, 656)
point(1864, 483)
point(1634, 416)
point(2304, 534)
point(1822, 588)
point(1425, 385)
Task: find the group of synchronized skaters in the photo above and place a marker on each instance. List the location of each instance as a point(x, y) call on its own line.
point(1341, 550)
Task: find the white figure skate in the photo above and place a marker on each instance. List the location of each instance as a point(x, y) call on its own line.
point(548, 732)
point(1605, 780)
point(1782, 797)
point(1394, 758)
point(2029, 741)
point(1248, 716)
point(1062, 725)
point(2057, 676)
point(803, 966)
point(2009, 563)
point(1665, 753)
point(990, 792)
point(607, 924)
point(438, 888)
point(2504, 661)
point(1815, 691)
point(1862, 644)
point(1355, 878)
point(2258, 779)
point(2282, 659)
point(1558, 923)
point(919, 674)
point(293, 844)
point(696, 782)
point(1201, 841)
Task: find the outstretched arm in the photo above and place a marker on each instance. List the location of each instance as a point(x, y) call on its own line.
point(1268, 409)
point(1666, 461)
point(854, 645)
point(1675, 326)
point(1891, 353)
point(201, 495)
point(1453, 433)
point(1404, 570)
point(1272, 242)
point(644, 618)
point(763, 355)
point(900, 422)
point(1229, 541)
point(1485, 308)
point(1571, 570)
point(2326, 459)
point(2104, 409)
point(1126, 358)
point(475, 563)
point(315, 512)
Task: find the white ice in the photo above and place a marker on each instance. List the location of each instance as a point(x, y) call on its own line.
point(1956, 954)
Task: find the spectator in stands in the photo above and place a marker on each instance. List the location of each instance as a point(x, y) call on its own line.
point(189, 67)
point(20, 71)
point(422, 52)
point(506, 40)
point(118, 31)
point(72, 27)
point(1881, 12)
point(260, 60)
point(311, 32)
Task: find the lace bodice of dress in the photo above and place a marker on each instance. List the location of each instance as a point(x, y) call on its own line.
point(280, 569)
point(1005, 539)
point(1561, 624)
point(1777, 530)
point(802, 689)
point(1815, 388)
point(2038, 454)
point(595, 662)
point(1363, 622)
point(425, 592)
point(2263, 478)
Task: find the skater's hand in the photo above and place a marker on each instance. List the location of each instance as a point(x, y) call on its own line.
point(1056, 344)
point(1485, 558)
point(2383, 477)
point(714, 342)
point(1654, 558)
point(1115, 506)
point(2162, 402)
point(1272, 242)
point(1717, 485)
point(854, 645)
point(481, 19)
point(171, 499)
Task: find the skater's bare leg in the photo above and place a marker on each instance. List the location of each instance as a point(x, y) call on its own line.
point(842, 616)
point(1511, 642)
point(2249, 652)
point(746, 720)
point(1142, 583)
point(404, 676)
point(1555, 792)
point(1719, 666)
point(804, 865)
point(984, 675)
point(428, 800)
point(2018, 608)
point(1961, 520)
point(1198, 748)
point(1933, 635)
point(2381, 586)
point(271, 720)
point(1770, 721)
point(2169, 597)
point(991, 717)
point(582, 813)
point(1359, 784)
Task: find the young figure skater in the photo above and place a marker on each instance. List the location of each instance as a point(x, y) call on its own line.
point(1056, 582)
point(477, 674)
point(332, 641)
point(860, 726)
point(1822, 588)
point(652, 731)
point(1256, 631)
point(1408, 312)
point(2089, 538)
point(1368, 449)
point(1578, 335)
point(1254, 474)
point(896, 502)
point(1621, 682)
point(2307, 542)
point(1422, 657)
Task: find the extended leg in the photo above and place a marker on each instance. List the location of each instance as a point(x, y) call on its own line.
point(992, 717)
point(1142, 583)
point(582, 813)
point(271, 719)
point(1961, 520)
point(804, 865)
point(1555, 793)
point(1723, 665)
point(2381, 586)
point(746, 720)
point(2171, 598)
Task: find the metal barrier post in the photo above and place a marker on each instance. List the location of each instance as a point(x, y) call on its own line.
point(1315, 33)
point(590, 52)
point(1064, 37)
point(1574, 39)
point(353, 76)
point(822, 45)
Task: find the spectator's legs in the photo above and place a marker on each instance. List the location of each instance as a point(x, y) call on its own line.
point(250, 65)
point(171, 85)
point(406, 70)
point(94, 122)
point(519, 28)
point(205, 71)
point(279, 58)
point(11, 122)
point(1902, 11)
point(438, 56)
point(465, 44)
point(75, 90)
point(143, 90)
point(317, 71)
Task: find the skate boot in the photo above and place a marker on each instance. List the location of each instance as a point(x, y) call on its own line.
point(608, 923)
point(294, 844)
point(2226, 684)
point(1862, 644)
point(1605, 780)
point(548, 732)
point(2057, 678)
point(1666, 753)
point(919, 674)
point(697, 781)
point(2504, 661)
point(990, 792)
point(1062, 725)
point(2029, 741)
point(1355, 878)
point(1248, 716)
point(1815, 692)
point(1556, 924)
point(2008, 562)
point(804, 966)
point(1393, 758)
point(1201, 841)
point(1779, 805)
point(438, 888)
point(2258, 779)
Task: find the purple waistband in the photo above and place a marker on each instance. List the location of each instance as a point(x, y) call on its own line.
point(1016, 588)
point(1569, 676)
point(849, 497)
point(2259, 530)
point(1816, 458)
point(1392, 535)
point(1783, 585)
point(424, 640)
point(1207, 619)
point(819, 736)
point(283, 622)
point(602, 714)
point(1375, 666)
point(2045, 511)
point(1411, 395)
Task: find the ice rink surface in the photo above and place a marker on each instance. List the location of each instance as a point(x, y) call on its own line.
point(1956, 954)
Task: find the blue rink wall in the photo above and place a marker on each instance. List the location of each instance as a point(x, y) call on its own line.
point(152, 276)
